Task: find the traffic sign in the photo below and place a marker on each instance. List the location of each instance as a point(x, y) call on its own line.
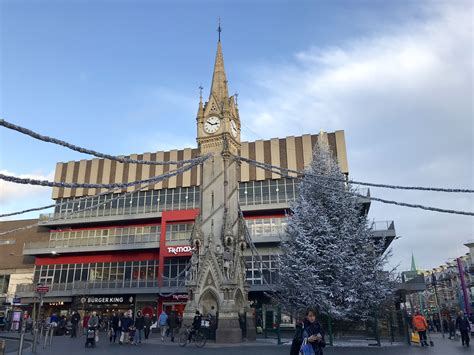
point(42, 289)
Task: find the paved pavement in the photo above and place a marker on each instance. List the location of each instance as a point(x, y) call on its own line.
point(68, 346)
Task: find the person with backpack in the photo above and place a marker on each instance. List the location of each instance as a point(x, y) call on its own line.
point(421, 326)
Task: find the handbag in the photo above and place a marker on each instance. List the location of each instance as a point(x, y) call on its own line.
point(415, 337)
point(122, 337)
point(306, 348)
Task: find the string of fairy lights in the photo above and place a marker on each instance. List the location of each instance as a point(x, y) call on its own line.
point(188, 164)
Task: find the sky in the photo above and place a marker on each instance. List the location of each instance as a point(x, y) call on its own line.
point(122, 77)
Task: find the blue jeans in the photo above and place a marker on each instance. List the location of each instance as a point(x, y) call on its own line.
point(138, 335)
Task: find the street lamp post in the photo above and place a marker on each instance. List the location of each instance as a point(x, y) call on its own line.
point(434, 282)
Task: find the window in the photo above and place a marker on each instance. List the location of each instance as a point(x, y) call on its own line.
point(173, 274)
point(268, 266)
point(259, 227)
point(4, 282)
point(178, 232)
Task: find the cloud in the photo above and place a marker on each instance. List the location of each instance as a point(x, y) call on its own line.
point(11, 192)
point(404, 99)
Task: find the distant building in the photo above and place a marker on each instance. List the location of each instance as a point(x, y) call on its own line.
point(15, 267)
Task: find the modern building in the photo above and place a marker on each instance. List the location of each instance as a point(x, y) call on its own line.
point(132, 252)
point(16, 268)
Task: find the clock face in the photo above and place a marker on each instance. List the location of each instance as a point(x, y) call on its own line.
point(233, 128)
point(212, 124)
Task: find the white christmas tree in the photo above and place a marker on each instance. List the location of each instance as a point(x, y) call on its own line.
point(330, 259)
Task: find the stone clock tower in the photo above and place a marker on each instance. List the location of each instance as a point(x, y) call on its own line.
point(217, 277)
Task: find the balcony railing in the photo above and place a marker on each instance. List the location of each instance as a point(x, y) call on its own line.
point(382, 225)
point(100, 212)
point(94, 241)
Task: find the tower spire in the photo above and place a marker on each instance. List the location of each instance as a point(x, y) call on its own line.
point(219, 81)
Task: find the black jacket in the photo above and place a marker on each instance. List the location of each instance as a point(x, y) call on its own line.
point(297, 340)
point(197, 321)
point(462, 323)
point(139, 322)
point(114, 322)
point(314, 329)
point(75, 318)
point(147, 322)
point(173, 320)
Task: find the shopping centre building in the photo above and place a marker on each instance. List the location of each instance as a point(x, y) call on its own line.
point(132, 251)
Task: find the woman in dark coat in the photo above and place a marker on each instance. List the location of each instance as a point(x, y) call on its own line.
point(313, 332)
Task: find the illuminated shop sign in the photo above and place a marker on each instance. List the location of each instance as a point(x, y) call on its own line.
point(180, 297)
point(107, 299)
point(180, 250)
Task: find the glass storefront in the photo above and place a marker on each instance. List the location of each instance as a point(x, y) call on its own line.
point(124, 274)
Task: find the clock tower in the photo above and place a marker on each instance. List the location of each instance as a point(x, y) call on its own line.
point(216, 283)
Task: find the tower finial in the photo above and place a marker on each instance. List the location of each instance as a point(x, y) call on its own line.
point(219, 29)
point(200, 92)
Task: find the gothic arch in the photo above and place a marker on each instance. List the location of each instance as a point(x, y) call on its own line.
point(239, 300)
point(208, 299)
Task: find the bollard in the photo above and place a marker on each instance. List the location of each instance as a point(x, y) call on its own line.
point(51, 333)
point(35, 338)
point(45, 339)
point(22, 337)
point(2, 347)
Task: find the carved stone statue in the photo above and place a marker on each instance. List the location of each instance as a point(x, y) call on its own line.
point(227, 264)
point(194, 266)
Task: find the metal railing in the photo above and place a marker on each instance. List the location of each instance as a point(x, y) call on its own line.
point(382, 225)
point(94, 241)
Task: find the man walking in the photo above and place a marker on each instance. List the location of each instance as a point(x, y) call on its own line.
point(462, 324)
point(173, 323)
point(75, 319)
point(163, 323)
point(421, 325)
point(139, 325)
point(147, 325)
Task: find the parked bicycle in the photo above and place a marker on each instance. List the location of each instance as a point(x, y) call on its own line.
point(192, 335)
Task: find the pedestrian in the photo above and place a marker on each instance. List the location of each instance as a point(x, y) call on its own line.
point(420, 325)
point(126, 323)
point(147, 325)
point(85, 321)
point(93, 323)
point(163, 323)
point(196, 325)
point(297, 339)
point(313, 332)
point(75, 319)
point(462, 324)
point(115, 327)
point(139, 325)
point(173, 323)
point(451, 328)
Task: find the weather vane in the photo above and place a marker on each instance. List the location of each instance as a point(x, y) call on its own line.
point(219, 29)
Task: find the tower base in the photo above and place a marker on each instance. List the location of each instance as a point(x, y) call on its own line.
point(228, 331)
